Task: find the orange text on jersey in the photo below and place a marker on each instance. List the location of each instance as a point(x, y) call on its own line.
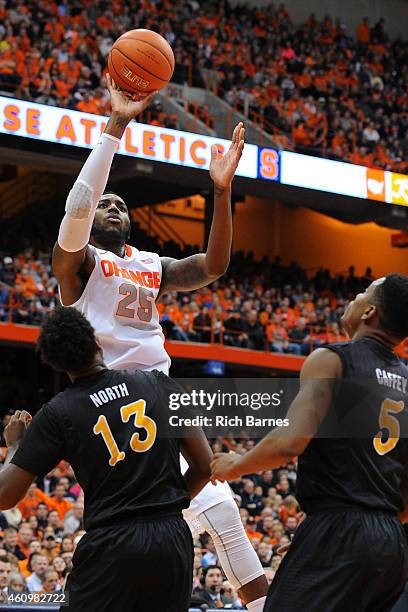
point(146, 279)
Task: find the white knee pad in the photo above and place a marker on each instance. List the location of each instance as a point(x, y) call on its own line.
point(235, 552)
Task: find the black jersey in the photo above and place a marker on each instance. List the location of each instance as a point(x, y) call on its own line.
point(367, 465)
point(113, 429)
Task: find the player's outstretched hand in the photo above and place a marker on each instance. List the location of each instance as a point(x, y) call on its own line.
point(222, 169)
point(124, 104)
point(224, 467)
point(17, 427)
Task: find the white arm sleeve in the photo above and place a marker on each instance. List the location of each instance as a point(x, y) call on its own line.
point(84, 196)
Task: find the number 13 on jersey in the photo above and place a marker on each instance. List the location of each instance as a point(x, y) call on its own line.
point(141, 421)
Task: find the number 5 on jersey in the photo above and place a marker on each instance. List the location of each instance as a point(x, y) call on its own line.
point(390, 424)
point(141, 421)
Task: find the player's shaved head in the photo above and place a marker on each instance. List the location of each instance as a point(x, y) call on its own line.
point(67, 341)
point(111, 195)
point(381, 309)
point(391, 298)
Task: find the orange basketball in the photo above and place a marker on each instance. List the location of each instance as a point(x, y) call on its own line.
point(141, 61)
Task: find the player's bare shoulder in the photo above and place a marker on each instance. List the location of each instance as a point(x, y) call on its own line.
point(72, 271)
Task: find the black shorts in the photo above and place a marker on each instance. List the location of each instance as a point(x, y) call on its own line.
point(352, 560)
point(138, 566)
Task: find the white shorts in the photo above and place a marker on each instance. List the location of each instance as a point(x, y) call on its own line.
point(209, 496)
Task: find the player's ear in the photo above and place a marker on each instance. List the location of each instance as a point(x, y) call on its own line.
point(369, 313)
point(99, 349)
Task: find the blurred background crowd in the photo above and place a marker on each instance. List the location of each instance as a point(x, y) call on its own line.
point(317, 87)
point(260, 305)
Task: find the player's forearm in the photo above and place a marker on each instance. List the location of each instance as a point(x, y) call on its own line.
point(82, 201)
point(218, 252)
point(116, 125)
point(271, 452)
point(196, 479)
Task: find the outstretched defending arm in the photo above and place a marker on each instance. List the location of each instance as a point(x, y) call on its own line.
point(201, 269)
point(305, 415)
point(14, 481)
point(72, 261)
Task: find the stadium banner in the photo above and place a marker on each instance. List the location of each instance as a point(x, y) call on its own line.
point(78, 129)
point(342, 178)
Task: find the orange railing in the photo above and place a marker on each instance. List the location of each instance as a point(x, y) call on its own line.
point(215, 334)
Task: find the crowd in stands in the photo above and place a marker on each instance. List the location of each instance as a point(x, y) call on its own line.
point(261, 305)
point(38, 537)
point(316, 86)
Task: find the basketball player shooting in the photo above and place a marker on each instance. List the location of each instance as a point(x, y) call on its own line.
point(116, 287)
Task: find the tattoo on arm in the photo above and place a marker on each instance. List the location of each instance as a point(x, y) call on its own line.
point(184, 274)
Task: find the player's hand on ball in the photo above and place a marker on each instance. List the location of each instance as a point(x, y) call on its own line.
point(222, 169)
point(224, 467)
point(124, 104)
point(17, 427)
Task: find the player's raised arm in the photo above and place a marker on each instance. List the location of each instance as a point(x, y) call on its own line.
point(72, 260)
point(305, 415)
point(201, 269)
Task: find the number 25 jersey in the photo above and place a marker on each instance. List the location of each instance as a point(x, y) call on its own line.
point(119, 300)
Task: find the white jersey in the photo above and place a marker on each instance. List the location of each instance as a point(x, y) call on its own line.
point(119, 300)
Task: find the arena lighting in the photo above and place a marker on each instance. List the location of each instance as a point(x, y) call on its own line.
point(74, 128)
point(342, 178)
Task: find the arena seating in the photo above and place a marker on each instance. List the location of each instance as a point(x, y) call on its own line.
point(322, 89)
point(261, 305)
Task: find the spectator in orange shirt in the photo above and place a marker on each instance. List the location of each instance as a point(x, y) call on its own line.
point(26, 283)
point(364, 32)
point(334, 335)
point(25, 565)
point(25, 535)
point(277, 533)
point(58, 502)
point(300, 134)
point(29, 503)
point(290, 507)
point(251, 530)
point(88, 104)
